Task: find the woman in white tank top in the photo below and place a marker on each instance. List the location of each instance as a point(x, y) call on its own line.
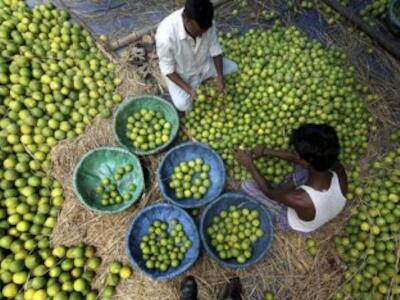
point(315, 193)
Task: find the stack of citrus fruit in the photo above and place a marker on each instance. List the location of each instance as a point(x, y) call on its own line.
point(190, 179)
point(233, 232)
point(108, 188)
point(284, 80)
point(148, 129)
point(163, 247)
point(370, 244)
point(53, 82)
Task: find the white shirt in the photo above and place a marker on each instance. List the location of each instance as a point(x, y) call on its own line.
point(179, 52)
point(328, 204)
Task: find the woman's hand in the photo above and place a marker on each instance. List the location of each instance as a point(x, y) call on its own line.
point(244, 158)
point(220, 83)
point(258, 151)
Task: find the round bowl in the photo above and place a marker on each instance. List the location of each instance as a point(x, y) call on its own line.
point(134, 104)
point(260, 247)
point(186, 152)
point(138, 228)
point(102, 162)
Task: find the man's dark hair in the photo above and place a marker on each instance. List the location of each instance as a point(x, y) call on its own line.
point(317, 144)
point(201, 11)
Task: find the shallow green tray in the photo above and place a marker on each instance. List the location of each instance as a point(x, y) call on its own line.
point(102, 162)
point(134, 104)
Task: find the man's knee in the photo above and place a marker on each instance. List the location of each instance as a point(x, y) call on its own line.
point(229, 66)
point(182, 102)
point(181, 99)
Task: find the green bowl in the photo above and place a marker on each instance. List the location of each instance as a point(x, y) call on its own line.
point(102, 162)
point(134, 104)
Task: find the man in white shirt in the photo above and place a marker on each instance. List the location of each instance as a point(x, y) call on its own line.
point(189, 52)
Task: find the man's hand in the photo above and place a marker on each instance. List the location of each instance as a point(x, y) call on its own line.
point(244, 158)
point(174, 77)
point(220, 82)
point(191, 92)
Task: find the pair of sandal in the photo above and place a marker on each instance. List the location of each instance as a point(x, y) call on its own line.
point(232, 290)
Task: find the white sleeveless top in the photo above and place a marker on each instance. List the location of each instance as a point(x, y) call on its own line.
point(328, 204)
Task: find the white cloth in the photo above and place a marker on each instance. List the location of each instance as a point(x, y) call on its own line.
point(179, 52)
point(328, 204)
point(181, 99)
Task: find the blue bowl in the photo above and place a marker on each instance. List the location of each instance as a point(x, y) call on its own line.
point(139, 227)
point(186, 152)
point(260, 247)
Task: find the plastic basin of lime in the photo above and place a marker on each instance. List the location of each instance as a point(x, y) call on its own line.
point(259, 246)
point(213, 181)
point(145, 125)
point(139, 228)
point(108, 180)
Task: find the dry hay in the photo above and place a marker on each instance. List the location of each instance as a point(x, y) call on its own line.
point(138, 66)
point(134, 83)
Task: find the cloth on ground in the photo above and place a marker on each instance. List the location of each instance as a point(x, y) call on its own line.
point(278, 211)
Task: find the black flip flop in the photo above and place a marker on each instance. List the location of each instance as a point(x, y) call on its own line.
point(188, 289)
point(232, 290)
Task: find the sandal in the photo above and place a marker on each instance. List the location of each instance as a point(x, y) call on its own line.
point(232, 290)
point(188, 289)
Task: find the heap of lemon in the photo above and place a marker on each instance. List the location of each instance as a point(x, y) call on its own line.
point(148, 129)
point(233, 233)
point(369, 246)
point(284, 80)
point(191, 179)
point(165, 245)
point(108, 187)
point(53, 82)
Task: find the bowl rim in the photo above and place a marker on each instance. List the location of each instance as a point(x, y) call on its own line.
point(180, 270)
point(181, 203)
point(78, 166)
point(210, 252)
point(130, 99)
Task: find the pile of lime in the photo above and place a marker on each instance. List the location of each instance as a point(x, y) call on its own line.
point(53, 82)
point(191, 179)
point(234, 231)
point(164, 246)
point(377, 9)
point(148, 129)
point(57, 274)
point(284, 80)
point(108, 187)
point(329, 14)
point(116, 272)
point(369, 245)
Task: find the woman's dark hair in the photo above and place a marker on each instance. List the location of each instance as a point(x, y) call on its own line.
point(317, 144)
point(201, 11)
